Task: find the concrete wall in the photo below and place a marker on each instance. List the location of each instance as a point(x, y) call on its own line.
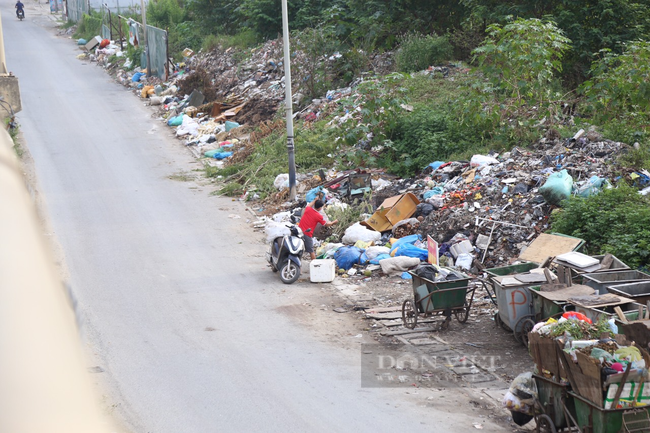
point(10, 92)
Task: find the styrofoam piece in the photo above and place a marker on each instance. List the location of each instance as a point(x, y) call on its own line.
point(322, 270)
point(578, 259)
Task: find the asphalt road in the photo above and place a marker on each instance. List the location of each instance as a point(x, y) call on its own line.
point(176, 304)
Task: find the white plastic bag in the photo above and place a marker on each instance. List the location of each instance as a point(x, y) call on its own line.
point(481, 160)
point(373, 252)
point(275, 229)
point(464, 261)
point(281, 181)
point(281, 217)
point(189, 126)
point(357, 232)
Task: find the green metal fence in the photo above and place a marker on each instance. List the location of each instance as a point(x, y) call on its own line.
point(76, 9)
point(157, 41)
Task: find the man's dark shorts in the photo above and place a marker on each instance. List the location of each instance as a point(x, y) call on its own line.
point(309, 244)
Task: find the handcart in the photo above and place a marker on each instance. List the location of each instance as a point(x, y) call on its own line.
point(565, 411)
point(438, 298)
point(560, 409)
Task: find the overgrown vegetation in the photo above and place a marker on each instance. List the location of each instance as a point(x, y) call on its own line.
point(616, 221)
point(417, 52)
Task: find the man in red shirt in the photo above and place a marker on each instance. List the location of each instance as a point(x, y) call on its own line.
point(311, 217)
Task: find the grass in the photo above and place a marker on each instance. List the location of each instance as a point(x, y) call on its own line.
point(182, 176)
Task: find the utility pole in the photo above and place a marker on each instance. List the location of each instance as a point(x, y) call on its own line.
point(289, 103)
point(146, 42)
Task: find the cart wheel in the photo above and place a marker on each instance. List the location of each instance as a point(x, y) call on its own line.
point(462, 315)
point(409, 314)
point(519, 325)
point(526, 327)
point(545, 424)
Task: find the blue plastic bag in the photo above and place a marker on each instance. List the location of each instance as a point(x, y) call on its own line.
point(436, 164)
point(175, 121)
point(376, 260)
point(347, 256)
point(410, 250)
point(136, 77)
point(437, 190)
point(411, 239)
point(222, 155)
point(311, 195)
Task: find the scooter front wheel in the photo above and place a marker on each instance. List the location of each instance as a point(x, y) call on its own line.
point(289, 272)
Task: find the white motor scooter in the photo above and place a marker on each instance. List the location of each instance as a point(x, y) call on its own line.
point(285, 253)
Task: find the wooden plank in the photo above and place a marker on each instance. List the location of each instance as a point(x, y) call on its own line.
point(547, 245)
point(406, 331)
point(384, 316)
point(620, 314)
point(383, 309)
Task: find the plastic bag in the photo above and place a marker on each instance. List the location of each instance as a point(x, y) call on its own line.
point(189, 126)
point(522, 394)
point(464, 261)
point(373, 252)
point(424, 209)
point(436, 190)
point(427, 271)
point(275, 230)
point(231, 125)
point(410, 239)
point(175, 121)
point(137, 76)
point(410, 250)
point(481, 160)
point(357, 232)
point(312, 193)
point(379, 258)
point(591, 186)
point(347, 256)
point(281, 181)
point(557, 187)
point(411, 221)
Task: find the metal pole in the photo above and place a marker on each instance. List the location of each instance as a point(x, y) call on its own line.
point(287, 88)
point(146, 42)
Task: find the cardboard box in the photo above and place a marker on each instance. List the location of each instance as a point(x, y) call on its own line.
point(392, 211)
point(93, 42)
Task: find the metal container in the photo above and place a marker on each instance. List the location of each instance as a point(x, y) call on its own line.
point(600, 280)
point(514, 302)
point(630, 310)
point(446, 298)
point(519, 268)
point(639, 291)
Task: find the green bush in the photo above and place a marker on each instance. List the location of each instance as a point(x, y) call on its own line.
point(89, 26)
point(616, 221)
point(417, 52)
point(423, 136)
point(620, 85)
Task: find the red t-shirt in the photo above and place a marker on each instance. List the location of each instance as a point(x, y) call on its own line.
point(310, 219)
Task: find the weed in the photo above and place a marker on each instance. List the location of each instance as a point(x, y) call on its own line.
point(417, 52)
point(182, 176)
point(347, 216)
